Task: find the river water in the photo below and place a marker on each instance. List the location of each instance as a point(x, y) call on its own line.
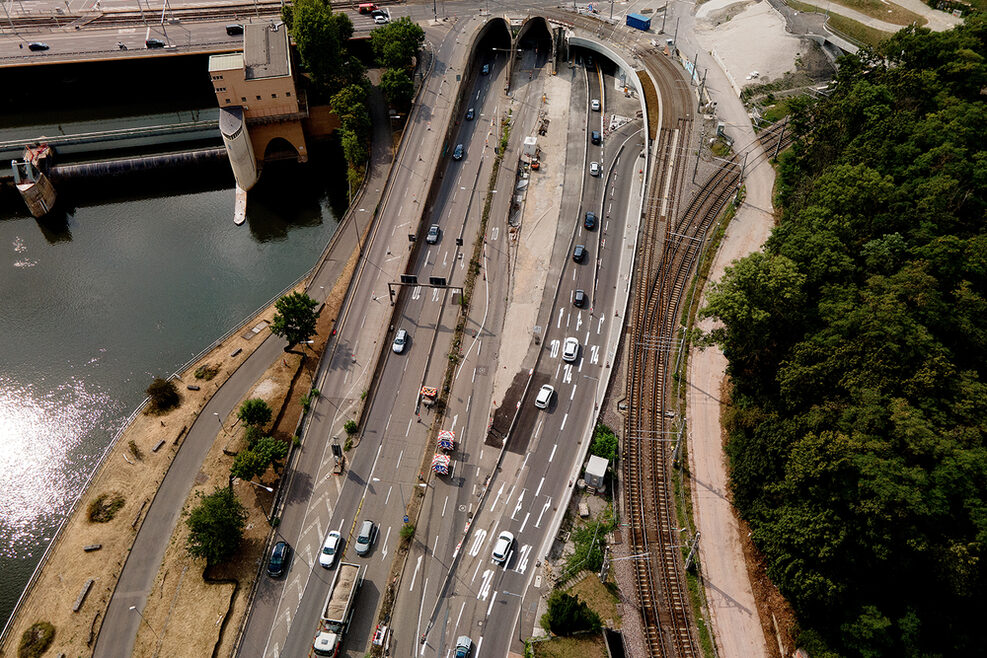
point(127, 282)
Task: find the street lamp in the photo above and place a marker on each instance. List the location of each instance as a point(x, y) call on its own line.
point(220, 421)
point(520, 600)
point(133, 608)
point(258, 485)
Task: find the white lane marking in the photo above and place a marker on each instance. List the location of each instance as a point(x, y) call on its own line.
point(421, 607)
point(538, 428)
point(435, 544)
point(580, 368)
point(586, 342)
point(594, 354)
point(383, 549)
point(416, 292)
point(543, 510)
point(520, 500)
point(485, 585)
point(499, 492)
point(397, 464)
point(573, 394)
point(599, 326)
point(551, 456)
point(418, 566)
point(443, 505)
point(407, 431)
point(478, 643)
point(388, 497)
point(554, 348)
point(435, 294)
point(562, 426)
point(475, 571)
point(490, 607)
point(460, 615)
point(522, 560)
point(477, 542)
point(579, 320)
point(561, 313)
point(525, 522)
point(538, 490)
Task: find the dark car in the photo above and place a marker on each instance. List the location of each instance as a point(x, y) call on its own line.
point(579, 253)
point(595, 137)
point(154, 43)
point(457, 154)
point(485, 70)
point(37, 45)
point(590, 221)
point(579, 299)
point(433, 234)
point(470, 114)
point(233, 29)
point(280, 555)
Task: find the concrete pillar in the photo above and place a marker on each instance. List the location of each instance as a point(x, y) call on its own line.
point(238, 146)
point(35, 188)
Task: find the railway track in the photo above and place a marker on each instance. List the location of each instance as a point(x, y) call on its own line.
point(670, 246)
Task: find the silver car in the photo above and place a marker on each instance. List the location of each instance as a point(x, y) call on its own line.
point(544, 397)
point(400, 341)
point(365, 540)
point(502, 549)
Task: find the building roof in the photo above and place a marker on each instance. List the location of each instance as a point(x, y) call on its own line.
point(265, 51)
point(596, 466)
point(225, 62)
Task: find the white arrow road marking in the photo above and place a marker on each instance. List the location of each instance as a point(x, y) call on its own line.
point(494, 233)
point(383, 549)
point(485, 585)
point(478, 541)
point(579, 320)
point(543, 510)
point(499, 492)
point(435, 294)
point(561, 313)
point(599, 325)
point(517, 508)
point(416, 292)
point(418, 566)
point(594, 354)
point(522, 560)
point(554, 348)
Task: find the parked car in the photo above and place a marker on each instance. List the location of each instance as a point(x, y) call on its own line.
point(594, 168)
point(400, 341)
point(595, 137)
point(469, 114)
point(154, 43)
point(233, 29)
point(464, 646)
point(579, 299)
point(579, 253)
point(365, 539)
point(544, 397)
point(331, 549)
point(37, 45)
point(278, 563)
point(433, 234)
point(590, 221)
point(570, 349)
point(595, 104)
point(502, 549)
point(380, 20)
point(457, 154)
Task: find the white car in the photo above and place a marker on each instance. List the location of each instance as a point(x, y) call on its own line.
point(503, 547)
point(595, 104)
point(544, 396)
point(594, 168)
point(570, 349)
point(330, 549)
point(381, 20)
point(400, 340)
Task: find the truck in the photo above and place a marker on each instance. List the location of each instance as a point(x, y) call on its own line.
point(639, 21)
point(338, 609)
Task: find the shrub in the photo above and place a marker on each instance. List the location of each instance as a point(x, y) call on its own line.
point(163, 394)
point(206, 371)
point(135, 450)
point(568, 615)
point(351, 427)
point(36, 640)
point(254, 412)
point(104, 507)
point(407, 531)
point(605, 443)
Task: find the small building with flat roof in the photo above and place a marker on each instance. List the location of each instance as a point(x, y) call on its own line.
point(596, 470)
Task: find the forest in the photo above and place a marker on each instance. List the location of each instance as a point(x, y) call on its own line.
point(857, 348)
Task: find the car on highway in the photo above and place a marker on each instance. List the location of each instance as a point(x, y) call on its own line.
point(433, 234)
point(470, 114)
point(330, 549)
point(589, 221)
point(37, 45)
point(381, 20)
point(544, 397)
point(579, 253)
point(464, 646)
point(579, 299)
point(278, 562)
point(365, 539)
point(595, 137)
point(154, 43)
point(594, 168)
point(595, 104)
point(457, 154)
point(502, 549)
point(570, 349)
point(234, 29)
point(485, 70)
point(400, 341)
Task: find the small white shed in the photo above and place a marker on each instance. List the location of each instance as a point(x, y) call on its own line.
point(530, 146)
point(596, 468)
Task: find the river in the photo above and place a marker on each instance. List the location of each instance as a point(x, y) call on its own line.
point(130, 279)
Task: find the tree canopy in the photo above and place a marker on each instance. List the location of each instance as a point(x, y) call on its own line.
point(321, 35)
point(295, 318)
point(397, 87)
point(255, 460)
point(216, 526)
point(856, 347)
point(395, 44)
point(568, 615)
point(254, 412)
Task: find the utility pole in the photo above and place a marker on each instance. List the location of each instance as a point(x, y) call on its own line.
point(675, 39)
point(780, 137)
point(695, 73)
point(664, 15)
point(692, 551)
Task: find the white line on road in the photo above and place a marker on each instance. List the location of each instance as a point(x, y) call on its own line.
point(435, 544)
point(551, 456)
point(407, 431)
point(561, 313)
point(537, 491)
point(562, 426)
point(573, 394)
point(599, 325)
point(499, 492)
point(460, 615)
point(443, 505)
point(525, 522)
point(418, 566)
point(543, 510)
point(398, 463)
point(490, 607)
point(388, 497)
point(383, 550)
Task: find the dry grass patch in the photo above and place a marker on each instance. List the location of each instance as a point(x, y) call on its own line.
point(599, 599)
point(104, 507)
point(580, 646)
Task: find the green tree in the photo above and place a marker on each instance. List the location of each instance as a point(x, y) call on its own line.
point(253, 462)
point(568, 615)
point(163, 393)
point(321, 35)
point(216, 526)
point(295, 318)
point(605, 443)
point(396, 43)
point(273, 451)
point(254, 412)
point(397, 87)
